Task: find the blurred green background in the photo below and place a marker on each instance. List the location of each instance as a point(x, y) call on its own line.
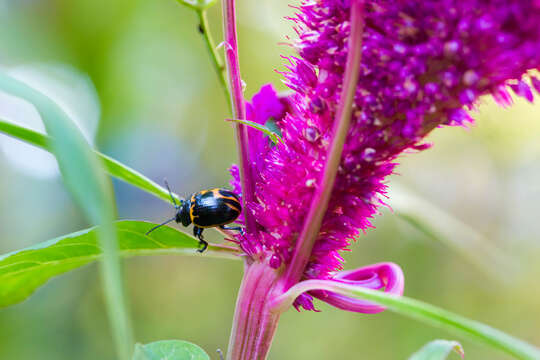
point(162, 113)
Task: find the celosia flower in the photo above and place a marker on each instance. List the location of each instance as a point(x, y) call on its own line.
point(420, 65)
point(423, 63)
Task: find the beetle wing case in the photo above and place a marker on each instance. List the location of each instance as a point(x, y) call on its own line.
point(214, 207)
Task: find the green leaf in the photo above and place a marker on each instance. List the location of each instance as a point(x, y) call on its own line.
point(198, 5)
point(438, 350)
point(272, 126)
point(112, 166)
point(438, 224)
point(91, 189)
point(169, 350)
point(421, 311)
point(271, 134)
point(23, 271)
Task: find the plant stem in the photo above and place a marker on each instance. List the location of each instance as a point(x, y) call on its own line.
point(111, 276)
point(239, 108)
point(254, 323)
point(319, 204)
point(418, 310)
point(216, 59)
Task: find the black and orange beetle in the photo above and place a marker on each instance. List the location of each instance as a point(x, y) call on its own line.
point(206, 209)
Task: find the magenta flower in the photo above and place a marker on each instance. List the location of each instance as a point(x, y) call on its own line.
point(423, 65)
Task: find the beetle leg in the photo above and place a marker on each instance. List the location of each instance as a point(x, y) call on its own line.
point(204, 245)
point(237, 228)
point(197, 232)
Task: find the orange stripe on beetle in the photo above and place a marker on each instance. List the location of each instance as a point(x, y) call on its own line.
point(191, 208)
point(233, 207)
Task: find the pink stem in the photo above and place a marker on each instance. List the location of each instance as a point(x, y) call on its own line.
point(254, 323)
point(312, 224)
point(239, 107)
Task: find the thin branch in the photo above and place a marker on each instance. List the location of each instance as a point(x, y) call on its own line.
point(239, 107)
point(319, 204)
point(217, 62)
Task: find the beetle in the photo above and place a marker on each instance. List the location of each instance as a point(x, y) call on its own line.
point(206, 209)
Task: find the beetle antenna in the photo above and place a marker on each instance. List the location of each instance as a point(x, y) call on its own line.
point(160, 225)
point(176, 206)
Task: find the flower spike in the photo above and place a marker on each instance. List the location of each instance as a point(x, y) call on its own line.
point(424, 65)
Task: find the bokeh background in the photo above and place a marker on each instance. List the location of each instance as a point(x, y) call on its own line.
point(136, 74)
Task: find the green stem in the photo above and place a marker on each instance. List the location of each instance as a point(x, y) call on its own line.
point(117, 304)
point(214, 56)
